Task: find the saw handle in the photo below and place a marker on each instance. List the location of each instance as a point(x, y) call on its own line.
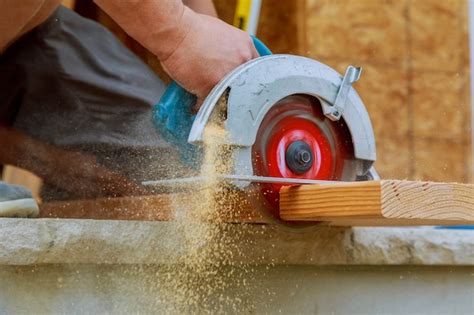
point(172, 115)
point(261, 48)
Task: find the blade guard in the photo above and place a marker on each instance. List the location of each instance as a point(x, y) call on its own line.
point(254, 87)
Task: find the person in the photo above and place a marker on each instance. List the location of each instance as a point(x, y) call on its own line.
point(76, 104)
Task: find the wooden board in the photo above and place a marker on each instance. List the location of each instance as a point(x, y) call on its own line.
point(377, 203)
point(151, 208)
point(386, 202)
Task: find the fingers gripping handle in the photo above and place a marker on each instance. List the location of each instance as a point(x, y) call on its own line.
point(173, 118)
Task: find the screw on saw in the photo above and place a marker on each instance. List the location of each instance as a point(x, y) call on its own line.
point(299, 157)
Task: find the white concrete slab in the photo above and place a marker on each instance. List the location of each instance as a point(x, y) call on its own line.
point(130, 289)
point(57, 241)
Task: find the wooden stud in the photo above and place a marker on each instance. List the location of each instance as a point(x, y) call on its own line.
point(150, 208)
point(386, 202)
point(375, 203)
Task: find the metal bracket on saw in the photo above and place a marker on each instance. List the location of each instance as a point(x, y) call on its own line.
point(334, 111)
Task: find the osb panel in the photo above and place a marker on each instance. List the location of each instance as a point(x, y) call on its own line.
point(278, 25)
point(470, 163)
point(436, 36)
point(384, 93)
point(371, 30)
point(464, 30)
point(393, 157)
point(438, 104)
point(468, 124)
point(468, 140)
point(440, 160)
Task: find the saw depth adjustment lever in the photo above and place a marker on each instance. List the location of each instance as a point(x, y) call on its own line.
point(173, 118)
point(334, 111)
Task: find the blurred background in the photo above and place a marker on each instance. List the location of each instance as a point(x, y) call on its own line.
point(416, 72)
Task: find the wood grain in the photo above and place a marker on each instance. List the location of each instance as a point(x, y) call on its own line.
point(148, 208)
point(427, 200)
point(387, 202)
point(375, 203)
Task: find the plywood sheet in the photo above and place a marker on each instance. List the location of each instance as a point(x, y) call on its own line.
point(436, 36)
point(438, 160)
point(438, 108)
point(356, 28)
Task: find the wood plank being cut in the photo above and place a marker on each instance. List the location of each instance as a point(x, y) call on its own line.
point(386, 202)
point(160, 207)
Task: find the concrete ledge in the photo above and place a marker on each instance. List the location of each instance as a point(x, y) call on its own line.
point(67, 241)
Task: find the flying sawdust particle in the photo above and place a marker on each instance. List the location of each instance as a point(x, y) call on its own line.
point(212, 276)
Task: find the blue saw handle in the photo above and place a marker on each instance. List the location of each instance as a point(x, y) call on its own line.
point(261, 48)
point(173, 118)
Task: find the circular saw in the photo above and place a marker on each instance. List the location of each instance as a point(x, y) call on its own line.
point(288, 119)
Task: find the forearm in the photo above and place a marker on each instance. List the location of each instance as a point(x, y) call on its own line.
point(19, 17)
point(159, 25)
point(196, 50)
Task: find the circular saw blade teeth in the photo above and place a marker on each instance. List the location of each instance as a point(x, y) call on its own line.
point(298, 120)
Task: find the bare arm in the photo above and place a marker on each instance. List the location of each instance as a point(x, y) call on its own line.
point(196, 50)
point(18, 17)
point(158, 25)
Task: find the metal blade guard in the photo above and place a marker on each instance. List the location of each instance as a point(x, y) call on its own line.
point(263, 88)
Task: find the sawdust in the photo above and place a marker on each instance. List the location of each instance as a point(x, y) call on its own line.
point(212, 275)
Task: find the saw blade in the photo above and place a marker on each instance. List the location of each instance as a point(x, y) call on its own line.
point(324, 146)
point(233, 178)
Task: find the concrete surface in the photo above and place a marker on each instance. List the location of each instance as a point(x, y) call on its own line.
point(52, 266)
point(54, 241)
point(102, 289)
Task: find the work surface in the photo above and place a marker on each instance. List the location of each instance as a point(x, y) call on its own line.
point(370, 203)
point(71, 241)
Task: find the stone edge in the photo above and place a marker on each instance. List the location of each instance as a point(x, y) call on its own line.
point(70, 241)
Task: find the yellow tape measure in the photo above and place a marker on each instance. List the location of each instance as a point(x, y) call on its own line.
point(242, 14)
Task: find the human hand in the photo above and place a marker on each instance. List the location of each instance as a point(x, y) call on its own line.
point(210, 49)
point(196, 50)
